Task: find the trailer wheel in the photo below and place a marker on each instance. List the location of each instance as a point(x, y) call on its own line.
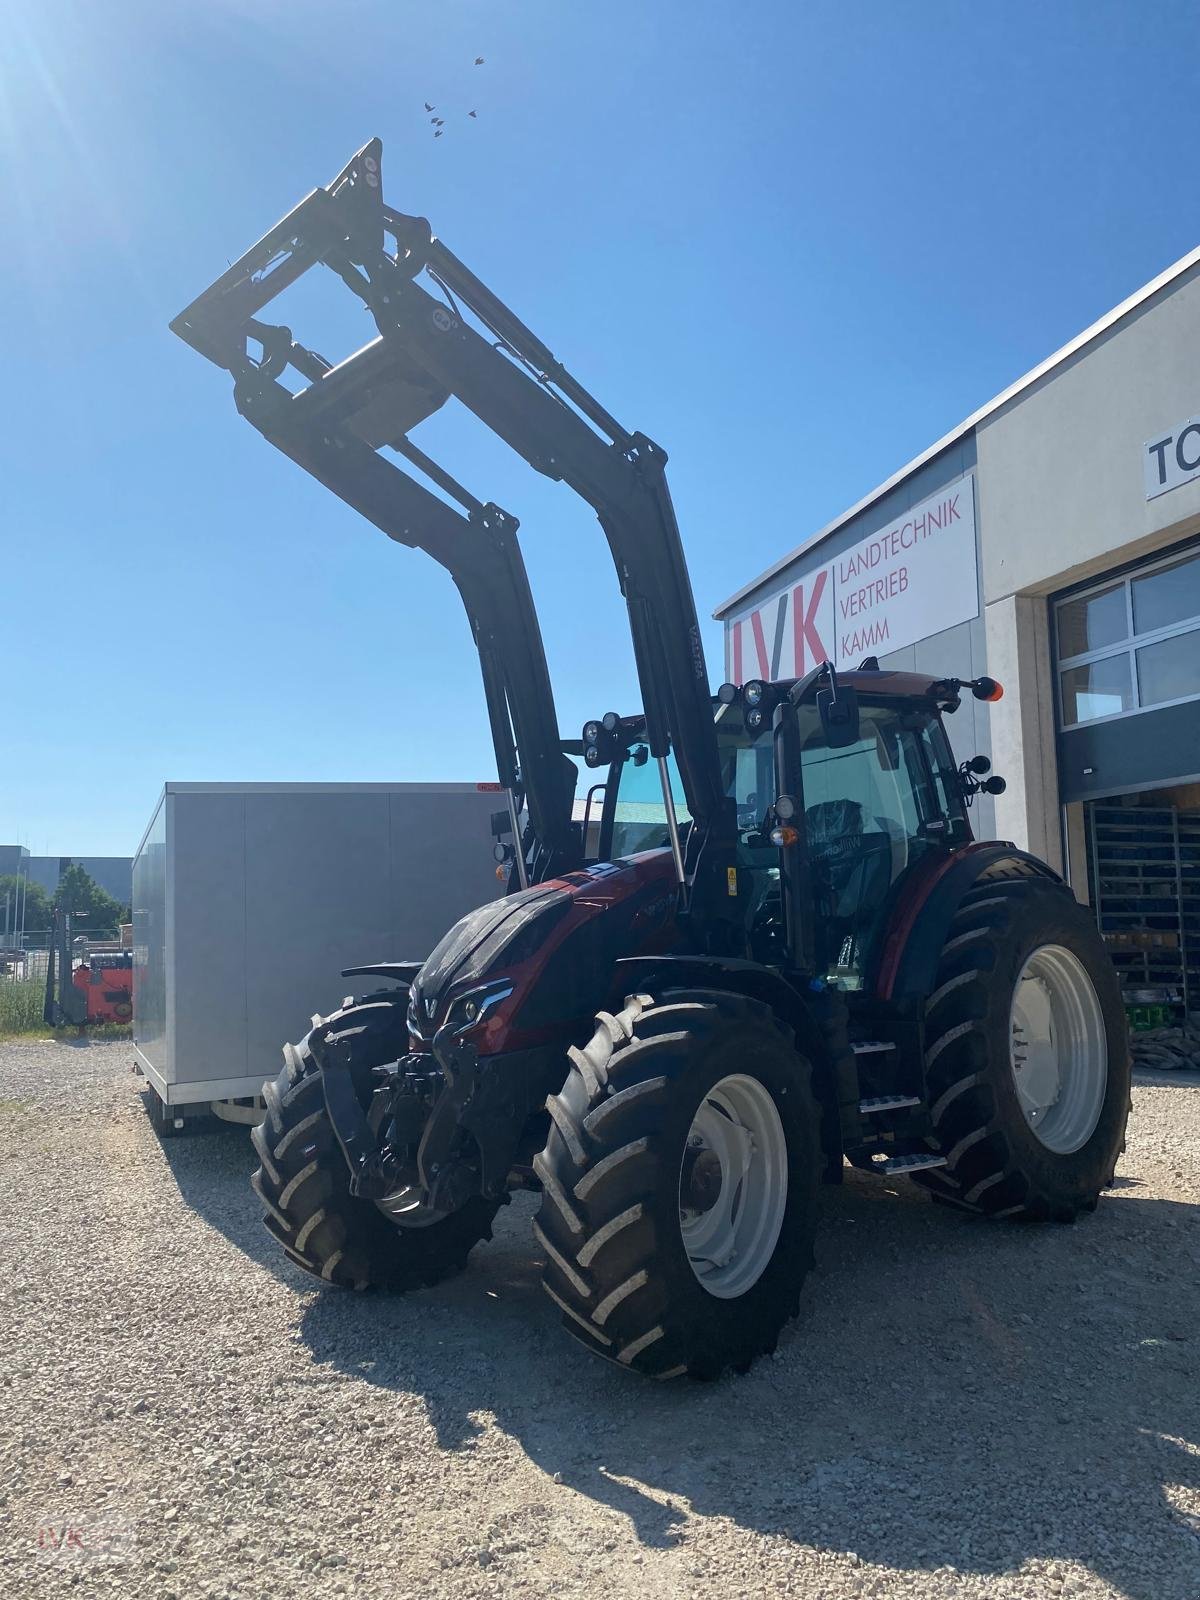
point(162, 1116)
point(680, 1183)
point(1027, 1056)
point(304, 1184)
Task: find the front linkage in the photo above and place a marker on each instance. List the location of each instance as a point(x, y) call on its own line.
point(439, 1128)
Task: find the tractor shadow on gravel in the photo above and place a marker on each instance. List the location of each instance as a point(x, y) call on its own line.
point(956, 1394)
point(211, 1164)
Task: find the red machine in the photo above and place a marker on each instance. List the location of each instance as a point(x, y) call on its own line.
point(106, 987)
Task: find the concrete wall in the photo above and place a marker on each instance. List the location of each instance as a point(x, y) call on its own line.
point(1062, 498)
point(1018, 654)
point(1061, 487)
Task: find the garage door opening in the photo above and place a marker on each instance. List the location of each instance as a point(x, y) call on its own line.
point(1143, 877)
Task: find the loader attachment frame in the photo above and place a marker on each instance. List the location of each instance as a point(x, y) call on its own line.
point(334, 428)
point(451, 336)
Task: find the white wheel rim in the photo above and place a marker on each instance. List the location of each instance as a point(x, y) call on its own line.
point(1058, 1049)
point(733, 1182)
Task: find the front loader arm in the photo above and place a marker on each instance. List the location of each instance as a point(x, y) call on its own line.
point(333, 428)
point(512, 382)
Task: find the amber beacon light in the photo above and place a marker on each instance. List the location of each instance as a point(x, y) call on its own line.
point(987, 689)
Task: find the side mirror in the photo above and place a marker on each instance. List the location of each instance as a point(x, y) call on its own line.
point(839, 717)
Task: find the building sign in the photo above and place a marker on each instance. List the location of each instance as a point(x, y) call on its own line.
point(1172, 459)
point(916, 577)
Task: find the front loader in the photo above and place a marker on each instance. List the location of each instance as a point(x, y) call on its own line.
point(813, 963)
point(335, 421)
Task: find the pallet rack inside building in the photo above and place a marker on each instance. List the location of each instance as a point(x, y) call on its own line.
point(1144, 869)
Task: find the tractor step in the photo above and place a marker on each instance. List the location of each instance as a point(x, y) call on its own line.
point(912, 1163)
point(887, 1102)
point(868, 1047)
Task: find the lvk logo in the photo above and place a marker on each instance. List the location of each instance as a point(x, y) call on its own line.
point(915, 577)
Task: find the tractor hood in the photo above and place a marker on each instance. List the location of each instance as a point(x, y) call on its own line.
point(554, 944)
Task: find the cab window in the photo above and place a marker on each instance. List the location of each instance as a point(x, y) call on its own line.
point(639, 817)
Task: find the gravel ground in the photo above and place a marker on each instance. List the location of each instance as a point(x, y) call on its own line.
point(963, 1408)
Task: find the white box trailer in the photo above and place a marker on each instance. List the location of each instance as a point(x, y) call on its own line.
point(250, 898)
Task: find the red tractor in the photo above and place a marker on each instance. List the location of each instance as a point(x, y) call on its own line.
point(791, 955)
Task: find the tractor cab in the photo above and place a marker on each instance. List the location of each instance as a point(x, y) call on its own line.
point(873, 798)
point(867, 800)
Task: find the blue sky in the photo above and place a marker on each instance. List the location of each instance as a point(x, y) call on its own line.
point(793, 242)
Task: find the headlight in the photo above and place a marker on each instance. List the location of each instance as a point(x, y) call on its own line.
point(466, 1010)
point(754, 692)
point(591, 732)
point(414, 1015)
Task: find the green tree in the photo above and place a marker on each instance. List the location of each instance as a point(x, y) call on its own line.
point(98, 913)
point(37, 902)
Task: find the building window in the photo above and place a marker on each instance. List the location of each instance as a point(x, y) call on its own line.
point(1132, 645)
point(1100, 689)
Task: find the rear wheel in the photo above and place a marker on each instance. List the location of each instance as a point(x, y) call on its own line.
point(1027, 1057)
point(679, 1185)
point(304, 1182)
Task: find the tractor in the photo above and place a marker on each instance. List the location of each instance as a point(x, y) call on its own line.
point(790, 954)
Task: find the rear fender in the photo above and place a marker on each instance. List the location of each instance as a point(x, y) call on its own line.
point(917, 928)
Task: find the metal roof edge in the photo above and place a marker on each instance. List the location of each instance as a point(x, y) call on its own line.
point(158, 805)
point(1064, 353)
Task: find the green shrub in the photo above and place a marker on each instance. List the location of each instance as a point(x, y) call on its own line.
point(21, 1005)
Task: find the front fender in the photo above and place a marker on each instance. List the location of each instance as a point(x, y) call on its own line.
point(818, 1017)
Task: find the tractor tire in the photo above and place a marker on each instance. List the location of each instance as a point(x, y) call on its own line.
point(1026, 1056)
point(623, 1138)
point(304, 1183)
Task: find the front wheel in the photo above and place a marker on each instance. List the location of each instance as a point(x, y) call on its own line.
point(679, 1185)
point(304, 1183)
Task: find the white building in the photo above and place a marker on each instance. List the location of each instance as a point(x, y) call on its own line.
point(1051, 540)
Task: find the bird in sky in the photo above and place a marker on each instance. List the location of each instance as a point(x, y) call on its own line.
point(437, 133)
point(472, 113)
point(428, 107)
point(478, 61)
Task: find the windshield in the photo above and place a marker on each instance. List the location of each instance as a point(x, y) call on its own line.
point(639, 816)
point(871, 810)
